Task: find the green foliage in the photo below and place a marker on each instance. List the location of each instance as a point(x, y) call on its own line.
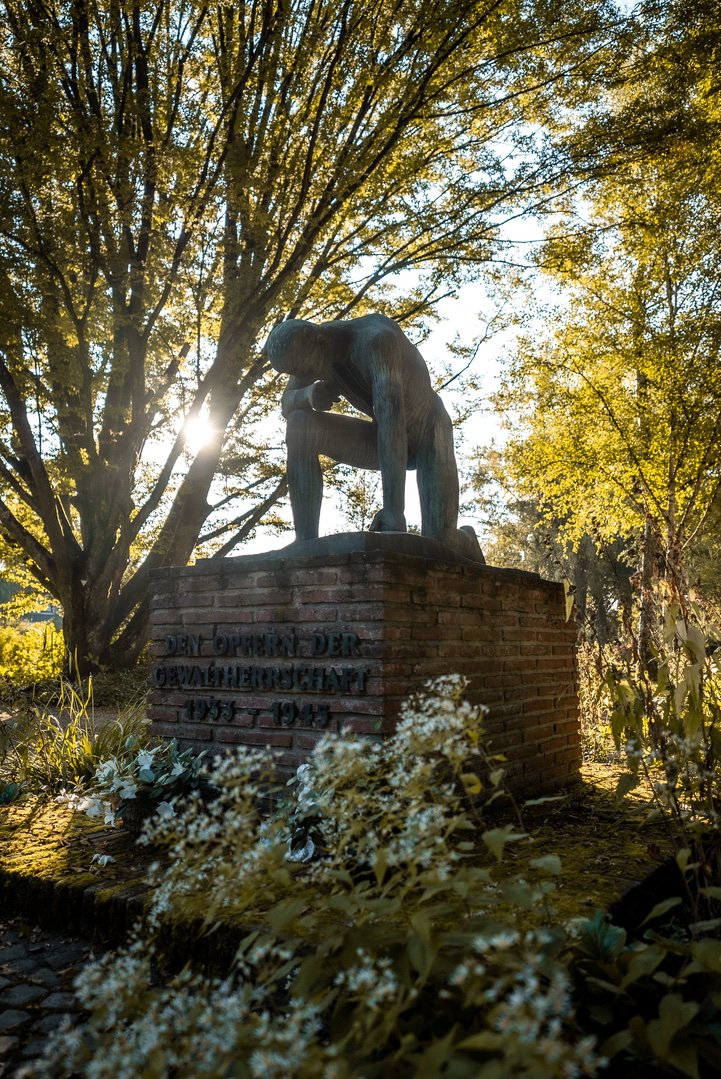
point(525, 534)
point(395, 950)
point(668, 718)
point(656, 1003)
point(48, 750)
point(616, 384)
point(594, 703)
point(30, 653)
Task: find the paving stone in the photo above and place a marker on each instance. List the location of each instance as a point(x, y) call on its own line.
point(11, 1019)
point(12, 951)
point(50, 1022)
point(20, 995)
point(17, 968)
point(66, 954)
point(59, 1002)
point(45, 977)
point(34, 1049)
point(36, 970)
point(25, 1071)
point(7, 1044)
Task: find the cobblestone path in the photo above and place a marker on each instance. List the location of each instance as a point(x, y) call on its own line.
point(36, 992)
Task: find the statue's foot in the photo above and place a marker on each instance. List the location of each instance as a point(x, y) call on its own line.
point(385, 521)
point(467, 544)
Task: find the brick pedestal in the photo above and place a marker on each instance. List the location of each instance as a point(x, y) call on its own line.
point(276, 649)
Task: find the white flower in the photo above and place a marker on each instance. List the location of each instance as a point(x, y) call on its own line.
point(127, 790)
point(302, 854)
point(145, 757)
point(165, 809)
point(107, 769)
point(102, 859)
point(92, 806)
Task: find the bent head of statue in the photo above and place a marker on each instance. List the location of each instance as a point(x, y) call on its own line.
point(296, 347)
point(371, 363)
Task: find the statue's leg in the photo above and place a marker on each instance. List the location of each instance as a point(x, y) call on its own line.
point(435, 461)
point(345, 439)
point(305, 479)
point(437, 474)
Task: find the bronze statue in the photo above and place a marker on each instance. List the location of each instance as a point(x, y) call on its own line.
point(371, 363)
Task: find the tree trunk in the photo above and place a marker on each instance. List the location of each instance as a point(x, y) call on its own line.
point(645, 616)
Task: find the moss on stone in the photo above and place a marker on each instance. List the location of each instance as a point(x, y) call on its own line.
point(43, 839)
point(605, 847)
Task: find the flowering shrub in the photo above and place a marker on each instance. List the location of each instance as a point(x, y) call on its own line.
point(393, 950)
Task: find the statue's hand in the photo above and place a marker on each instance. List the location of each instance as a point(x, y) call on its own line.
point(385, 521)
point(322, 395)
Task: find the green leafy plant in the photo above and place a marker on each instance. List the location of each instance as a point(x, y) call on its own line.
point(666, 716)
point(656, 1003)
point(656, 996)
point(139, 780)
point(594, 703)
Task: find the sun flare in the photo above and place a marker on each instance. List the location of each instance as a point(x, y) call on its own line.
point(197, 432)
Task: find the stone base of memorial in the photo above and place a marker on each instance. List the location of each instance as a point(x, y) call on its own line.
point(332, 635)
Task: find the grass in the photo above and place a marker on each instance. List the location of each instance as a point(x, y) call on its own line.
point(50, 746)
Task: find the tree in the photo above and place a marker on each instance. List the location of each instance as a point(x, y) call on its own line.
point(622, 394)
point(523, 534)
point(177, 176)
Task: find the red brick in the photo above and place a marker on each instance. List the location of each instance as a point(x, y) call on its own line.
point(458, 648)
point(458, 617)
point(477, 601)
point(427, 597)
point(268, 738)
point(197, 603)
point(365, 612)
point(363, 725)
point(571, 753)
point(503, 630)
point(567, 726)
point(198, 732)
point(307, 741)
point(365, 706)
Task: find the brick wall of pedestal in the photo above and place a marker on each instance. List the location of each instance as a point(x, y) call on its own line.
point(232, 660)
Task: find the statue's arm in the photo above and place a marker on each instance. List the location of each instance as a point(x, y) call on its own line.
point(315, 396)
point(295, 395)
